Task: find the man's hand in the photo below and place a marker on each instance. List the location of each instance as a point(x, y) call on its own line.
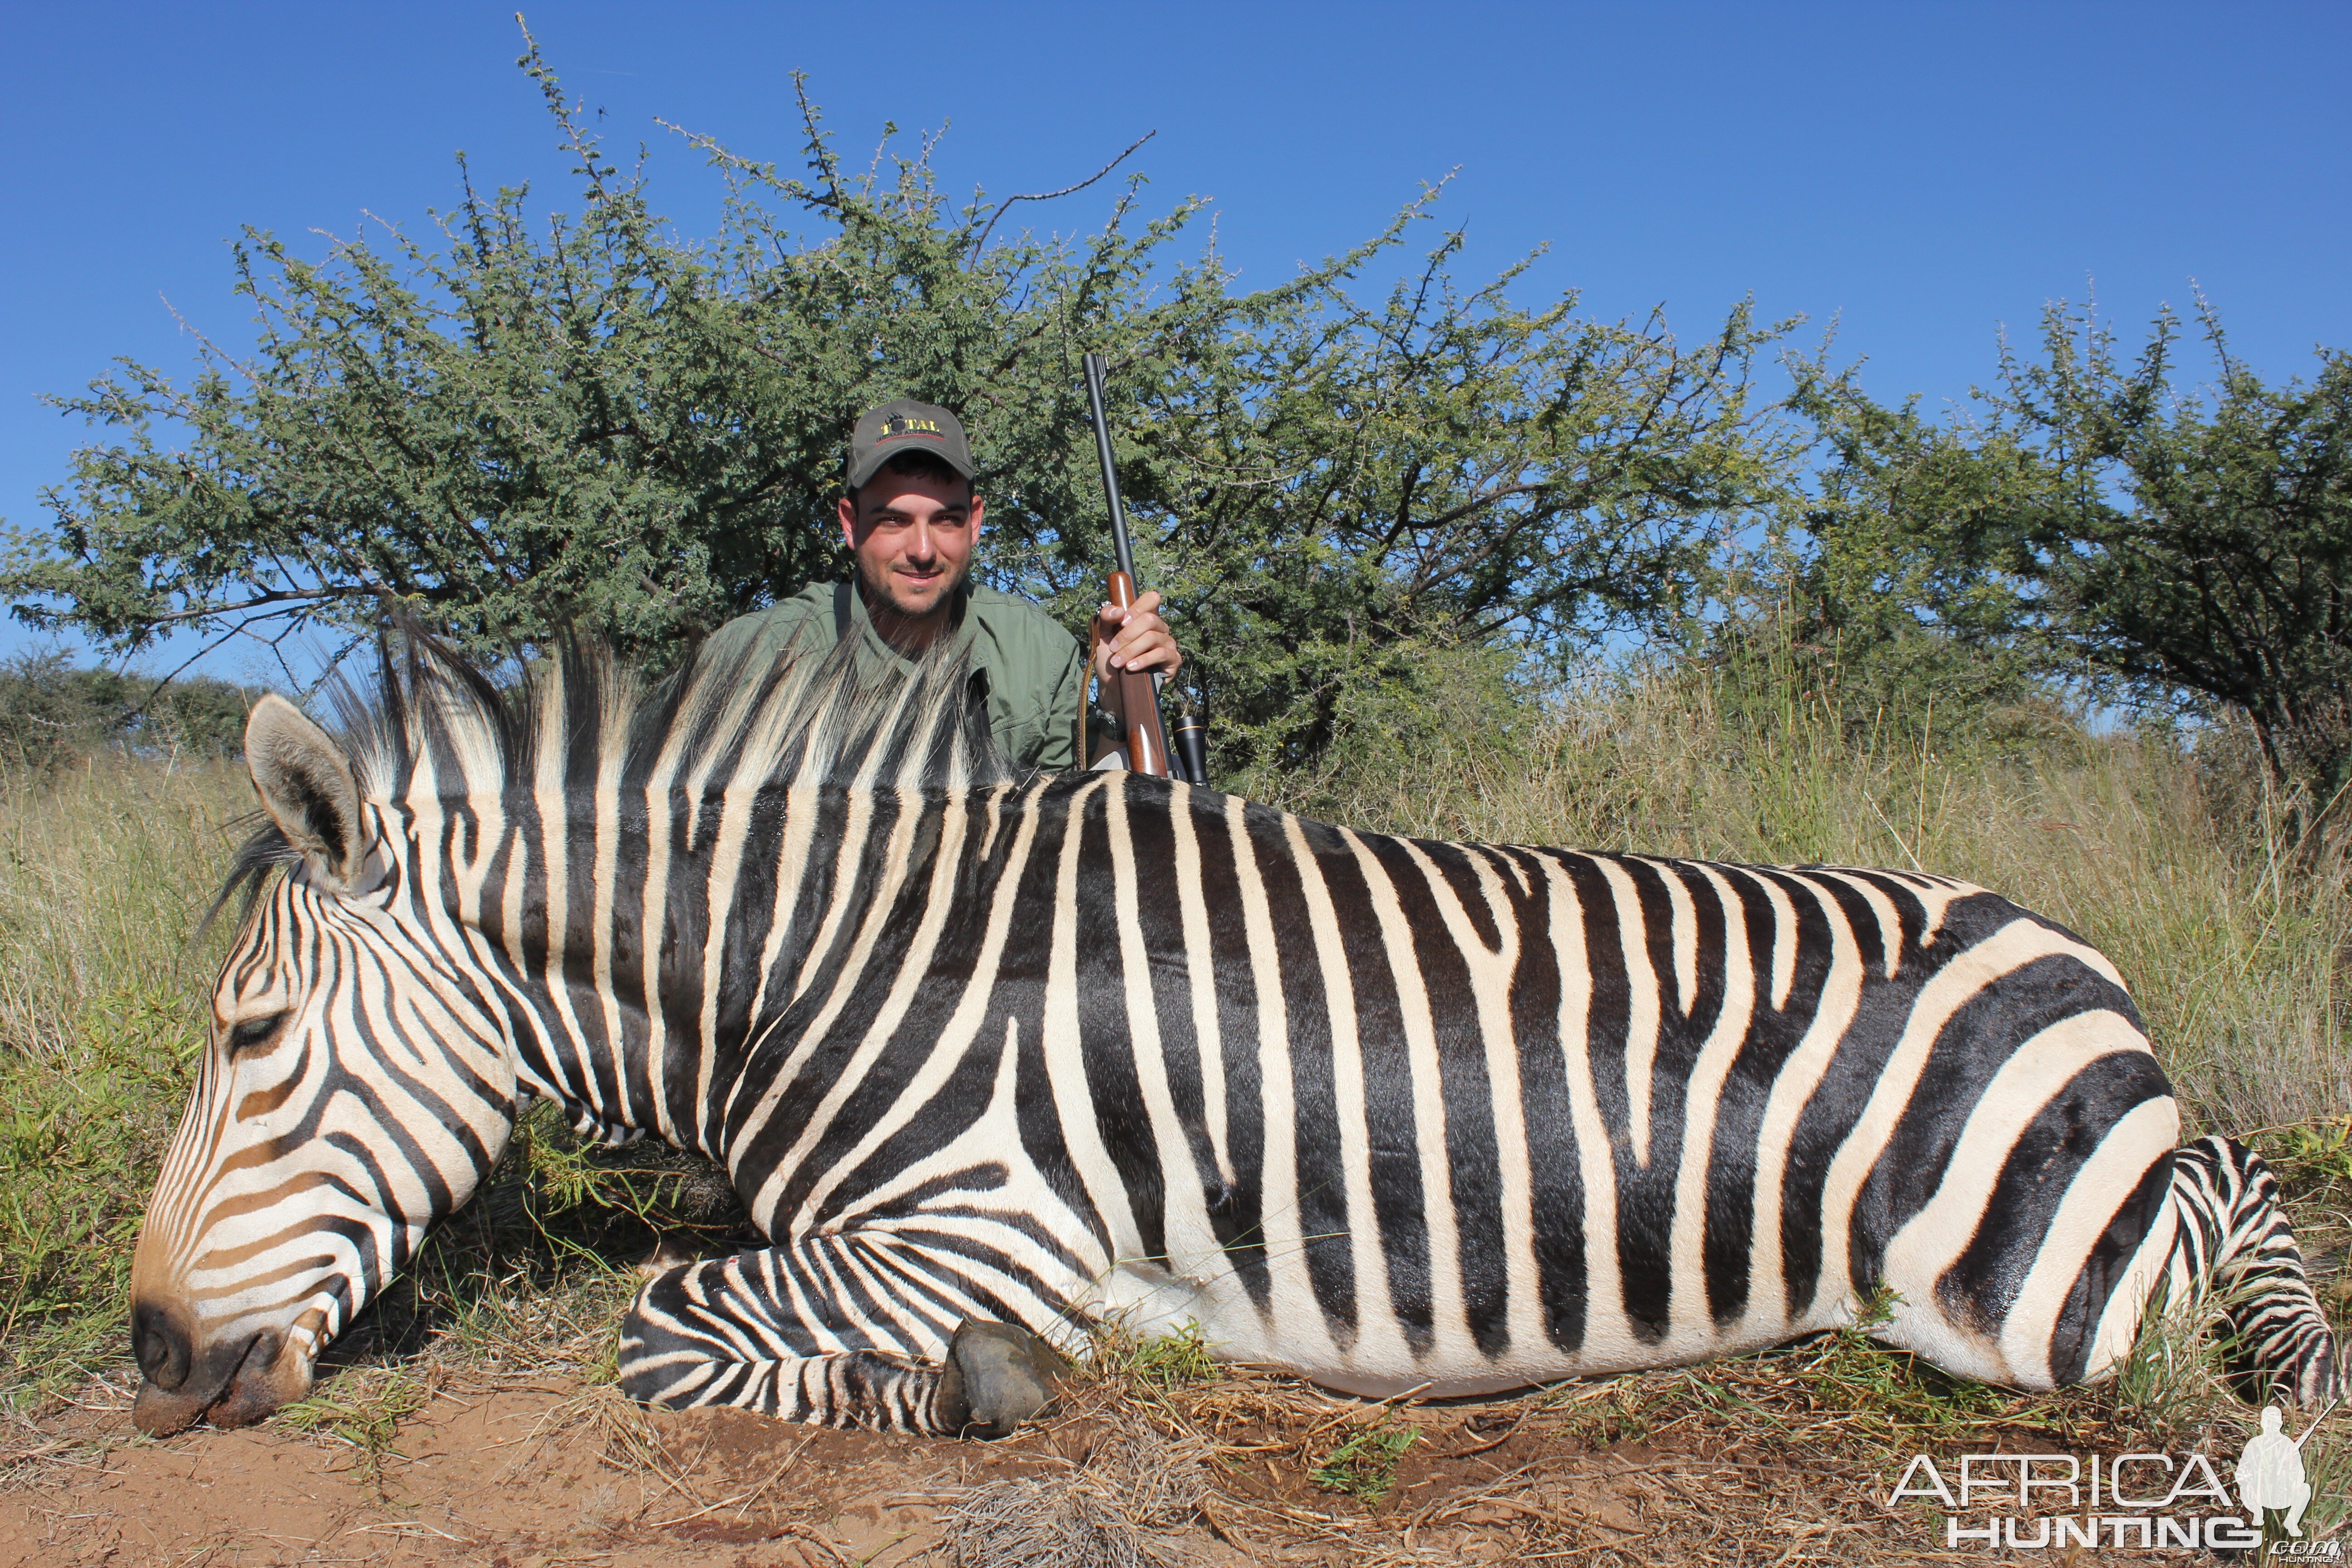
point(1135, 639)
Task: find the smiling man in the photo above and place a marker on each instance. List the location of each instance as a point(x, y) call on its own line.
point(912, 519)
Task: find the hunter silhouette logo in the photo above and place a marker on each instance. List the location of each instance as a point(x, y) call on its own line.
point(2143, 1500)
point(2270, 1472)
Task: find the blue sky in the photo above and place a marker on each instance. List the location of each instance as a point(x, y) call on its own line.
point(1922, 174)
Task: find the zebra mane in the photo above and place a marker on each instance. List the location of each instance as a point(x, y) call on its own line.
point(806, 715)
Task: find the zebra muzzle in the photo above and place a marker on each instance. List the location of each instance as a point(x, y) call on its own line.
point(231, 1386)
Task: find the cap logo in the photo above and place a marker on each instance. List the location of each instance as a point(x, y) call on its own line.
point(905, 425)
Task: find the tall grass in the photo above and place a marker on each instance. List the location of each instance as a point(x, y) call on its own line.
point(2167, 860)
point(105, 872)
point(106, 868)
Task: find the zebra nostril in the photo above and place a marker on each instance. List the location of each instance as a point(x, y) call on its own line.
point(162, 1346)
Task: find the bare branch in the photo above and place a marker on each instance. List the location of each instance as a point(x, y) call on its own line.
point(990, 226)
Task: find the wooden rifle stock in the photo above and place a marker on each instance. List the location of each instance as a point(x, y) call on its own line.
point(1139, 700)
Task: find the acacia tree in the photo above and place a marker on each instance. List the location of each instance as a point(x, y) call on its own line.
point(589, 421)
point(2182, 545)
point(2098, 522)
point(1890, 576)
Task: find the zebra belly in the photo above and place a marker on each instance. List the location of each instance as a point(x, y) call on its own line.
point(1924, 1268)
point(1448, 1377)
point(1150, 1301)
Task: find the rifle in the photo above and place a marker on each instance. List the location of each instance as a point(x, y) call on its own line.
point(1139, 691)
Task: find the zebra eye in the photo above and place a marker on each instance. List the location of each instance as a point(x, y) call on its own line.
point(254, 1031)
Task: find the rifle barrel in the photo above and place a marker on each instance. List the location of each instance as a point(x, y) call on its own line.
point(1094, 364)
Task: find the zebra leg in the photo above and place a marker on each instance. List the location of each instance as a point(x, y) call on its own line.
point(2233, 1242)
point(755, 1331)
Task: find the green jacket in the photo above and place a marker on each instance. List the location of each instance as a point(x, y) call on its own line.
point(1036, 671)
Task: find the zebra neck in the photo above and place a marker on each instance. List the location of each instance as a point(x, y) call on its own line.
point(665, 955)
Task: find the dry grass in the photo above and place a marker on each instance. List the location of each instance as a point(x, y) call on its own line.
point(1786, 1456)
point(362, 1411)
point(2233, 949)
point(105, 872)
point(1123, 1506)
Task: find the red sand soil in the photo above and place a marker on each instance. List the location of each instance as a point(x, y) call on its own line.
point(542, 1475)
point(502, 1478)
point(520, 1477)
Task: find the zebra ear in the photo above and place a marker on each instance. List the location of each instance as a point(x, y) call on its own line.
point(306, 785)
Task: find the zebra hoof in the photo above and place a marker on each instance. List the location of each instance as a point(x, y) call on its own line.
point(999, 1374)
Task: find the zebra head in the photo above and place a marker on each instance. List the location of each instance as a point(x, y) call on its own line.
point(355, 1086)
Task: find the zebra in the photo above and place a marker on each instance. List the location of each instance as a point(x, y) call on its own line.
point(990, 1059)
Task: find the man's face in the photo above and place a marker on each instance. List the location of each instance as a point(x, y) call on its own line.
point(913, 538)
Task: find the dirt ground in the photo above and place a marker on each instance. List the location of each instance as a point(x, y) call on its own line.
point(1241, 1469)
point(513, 1478)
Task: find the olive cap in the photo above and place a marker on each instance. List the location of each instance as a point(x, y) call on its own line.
point(903, 424)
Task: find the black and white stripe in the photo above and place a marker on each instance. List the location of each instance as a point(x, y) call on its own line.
point(1393, 1112)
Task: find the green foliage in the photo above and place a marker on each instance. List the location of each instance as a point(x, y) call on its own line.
point(1894, 1395)
point(1181, 1356)
point(1450, 698)
point(1361, 495)
point(2189, 546)
point(591, 420)
point(1150, 1365)
point(52, 714)
point(558, 1175)
point(2099, 524)
point(1364, 1467)
point(2312, 1154)
point(1915, 688)
point(1886, 585)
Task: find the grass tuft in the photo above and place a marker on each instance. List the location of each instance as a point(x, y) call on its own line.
point(1365, 1466)
point(363, 1410)
point(1159, 1362)
point(1122, 1508)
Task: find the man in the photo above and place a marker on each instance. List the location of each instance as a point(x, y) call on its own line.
point(912, 518)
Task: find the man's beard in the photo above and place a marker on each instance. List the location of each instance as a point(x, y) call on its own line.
point(880, 595)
